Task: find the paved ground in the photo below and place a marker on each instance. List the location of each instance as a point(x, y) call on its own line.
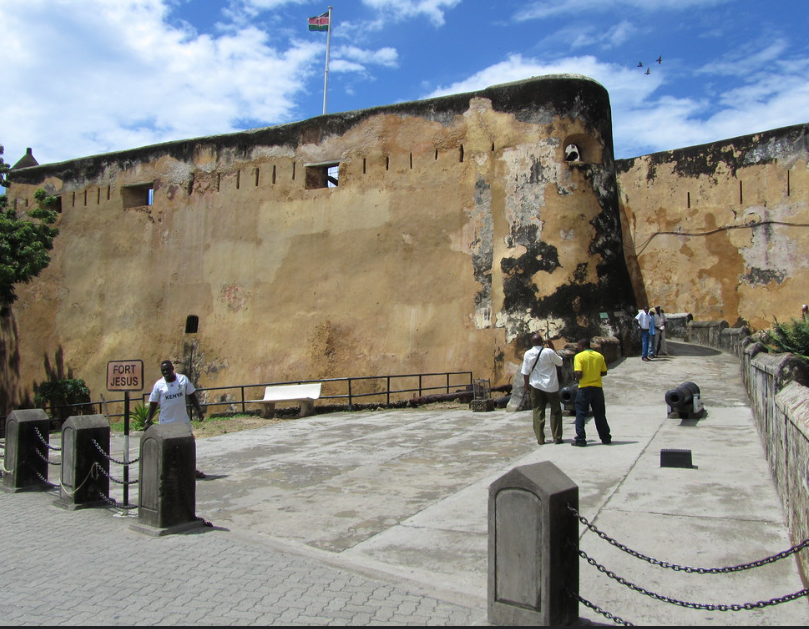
point(380, 518)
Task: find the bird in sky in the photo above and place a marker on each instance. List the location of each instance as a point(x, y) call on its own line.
point(640, 64)
point(660, 59)
point(648, 71)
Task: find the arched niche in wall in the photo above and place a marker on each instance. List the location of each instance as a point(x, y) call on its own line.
point(580, 148)
point(191, 324)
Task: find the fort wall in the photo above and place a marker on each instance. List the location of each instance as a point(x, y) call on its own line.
point(720, 230)
point(457, 228)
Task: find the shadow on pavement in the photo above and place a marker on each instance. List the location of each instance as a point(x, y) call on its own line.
point(687, 349)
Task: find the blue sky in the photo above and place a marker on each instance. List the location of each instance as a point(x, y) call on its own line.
point(82, 77)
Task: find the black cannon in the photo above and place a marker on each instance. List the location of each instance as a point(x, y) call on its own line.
point(684, 401)
point(567, 396)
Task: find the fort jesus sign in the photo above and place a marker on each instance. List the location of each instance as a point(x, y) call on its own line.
point(125, 375)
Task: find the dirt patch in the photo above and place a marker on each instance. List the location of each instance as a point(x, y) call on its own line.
point(215, 426)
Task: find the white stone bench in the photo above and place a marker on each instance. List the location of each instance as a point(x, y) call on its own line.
point(306, 394)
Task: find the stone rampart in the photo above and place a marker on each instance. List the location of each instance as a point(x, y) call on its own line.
point(778, 387)
point(705, 332)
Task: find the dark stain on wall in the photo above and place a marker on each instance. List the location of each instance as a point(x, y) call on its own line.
point(763, 276)
point(578, 302)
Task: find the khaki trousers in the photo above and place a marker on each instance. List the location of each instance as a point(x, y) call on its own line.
point(539, 399)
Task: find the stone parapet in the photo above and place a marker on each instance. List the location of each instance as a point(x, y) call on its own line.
point(705, 332)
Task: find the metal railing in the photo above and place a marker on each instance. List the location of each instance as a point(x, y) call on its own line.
point(351, 391)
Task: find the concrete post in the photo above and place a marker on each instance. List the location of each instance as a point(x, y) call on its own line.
point(25, 465)
point(533, 548)
point(82, 484)
point(167, 485)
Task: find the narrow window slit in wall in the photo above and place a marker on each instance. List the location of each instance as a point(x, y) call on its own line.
point(689, 200)
point(257, 176)
point(191, 324)
point(74, 199)
point(273, 174)
point(238, 179)
point(191, 186)
point(387, 162)
point(58, 205)
point(492, 147)
point(741, 196)
point(788, 191)
point(109, 192)
point(364, 166)
point(436, 153)
point(461, 153)
point(98, 196)
point(85, 198)
point(218, 181)
point(26, 203)
point(411, 161)
point(293, 170)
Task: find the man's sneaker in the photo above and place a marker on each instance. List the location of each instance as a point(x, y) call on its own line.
point(578, 444)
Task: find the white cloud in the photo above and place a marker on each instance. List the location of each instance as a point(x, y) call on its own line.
point(645, 120)
point(387, 57)
point(550, 8)
point(114, 75)
point(406, 9)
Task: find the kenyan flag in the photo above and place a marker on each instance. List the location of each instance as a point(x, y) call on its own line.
point(319, 23)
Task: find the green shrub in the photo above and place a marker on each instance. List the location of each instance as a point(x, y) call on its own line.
point(792, 337)
point(137, 417)
point(59, 394)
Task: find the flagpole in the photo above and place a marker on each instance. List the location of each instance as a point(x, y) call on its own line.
point(326, 81)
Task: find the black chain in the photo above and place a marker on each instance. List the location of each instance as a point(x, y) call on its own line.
point(688, 569)
point(45, 443)
point(45, 458)
point(704, 606)
point(115, 480)
point(43, 479)
point(114, 503)
point(109, 458)
point(616, 619)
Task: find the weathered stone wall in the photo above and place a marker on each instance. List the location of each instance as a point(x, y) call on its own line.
point(457, 229)
point(778, 387)
point(720, 230)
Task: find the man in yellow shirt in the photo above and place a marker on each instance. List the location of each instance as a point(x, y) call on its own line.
point(588, 368)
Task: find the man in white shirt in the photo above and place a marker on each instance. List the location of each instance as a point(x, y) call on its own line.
point(644, 322)
point(539, 373)
point(170, 393)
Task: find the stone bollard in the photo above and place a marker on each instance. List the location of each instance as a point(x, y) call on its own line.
point(533, 548)
point(25, 465)
point(83, 484)
point(167, 485)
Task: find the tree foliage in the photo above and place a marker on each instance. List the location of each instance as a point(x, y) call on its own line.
point(24, 240)
point(792, 337)
point(60, 394)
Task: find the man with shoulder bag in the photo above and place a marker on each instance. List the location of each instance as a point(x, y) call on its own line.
point(539, 370)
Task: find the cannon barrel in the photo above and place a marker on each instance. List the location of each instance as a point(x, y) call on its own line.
point(682, 395)
point(567, 395)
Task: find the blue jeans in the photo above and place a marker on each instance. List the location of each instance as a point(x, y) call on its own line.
point(591, 398)
point(644, 341)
